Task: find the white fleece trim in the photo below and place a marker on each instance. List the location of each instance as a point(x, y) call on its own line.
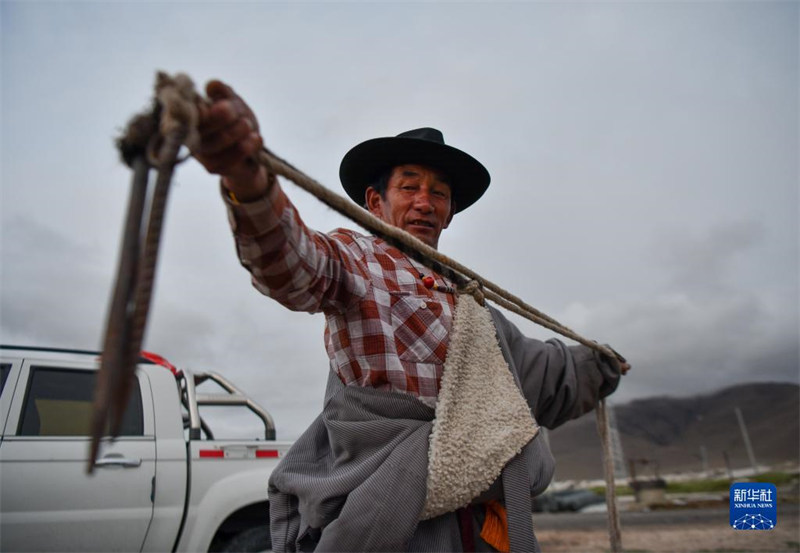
point(482, 420)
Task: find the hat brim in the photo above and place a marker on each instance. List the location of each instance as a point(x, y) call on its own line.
point(364, 163)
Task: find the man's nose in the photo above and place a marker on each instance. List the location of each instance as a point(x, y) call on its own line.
point(422, 201)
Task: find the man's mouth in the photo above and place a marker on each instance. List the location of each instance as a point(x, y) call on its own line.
point(421, 223)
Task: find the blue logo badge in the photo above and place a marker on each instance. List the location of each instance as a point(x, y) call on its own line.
point(754, 506)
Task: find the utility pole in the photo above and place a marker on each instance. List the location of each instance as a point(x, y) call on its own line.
point(728, 465)
point(703, 450)
point(616, 445)
point(746, 439)
point(704, 460)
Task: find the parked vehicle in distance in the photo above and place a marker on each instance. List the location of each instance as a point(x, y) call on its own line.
point(165, 484)
point(565, 500)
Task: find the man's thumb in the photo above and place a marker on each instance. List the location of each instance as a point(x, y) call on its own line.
point(217, 90)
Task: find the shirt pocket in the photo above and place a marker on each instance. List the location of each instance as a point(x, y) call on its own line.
point(420, 331)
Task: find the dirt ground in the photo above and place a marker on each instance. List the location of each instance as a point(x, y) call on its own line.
point(678, 539)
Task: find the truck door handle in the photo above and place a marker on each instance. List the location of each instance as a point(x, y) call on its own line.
point(117, 460)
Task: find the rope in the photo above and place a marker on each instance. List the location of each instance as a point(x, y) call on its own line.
point(177, 113)
point(473, 288)
point(424, 253)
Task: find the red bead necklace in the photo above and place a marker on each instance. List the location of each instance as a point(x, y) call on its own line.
point(430, 283)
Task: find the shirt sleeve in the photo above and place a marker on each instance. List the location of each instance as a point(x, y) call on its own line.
point(303, 269)
point(559, 382)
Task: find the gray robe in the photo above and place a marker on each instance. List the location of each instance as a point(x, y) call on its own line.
point(355, 480)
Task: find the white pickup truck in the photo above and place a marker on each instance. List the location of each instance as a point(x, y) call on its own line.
point(164, 485)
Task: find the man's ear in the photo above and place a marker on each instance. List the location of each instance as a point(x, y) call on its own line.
point(374, 202)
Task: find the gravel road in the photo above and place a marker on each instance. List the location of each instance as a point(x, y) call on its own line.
point(679, 531)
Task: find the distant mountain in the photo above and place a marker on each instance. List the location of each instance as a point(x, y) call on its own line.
point(669, 432)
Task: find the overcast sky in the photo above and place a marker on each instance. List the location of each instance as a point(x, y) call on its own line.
point(644, 162)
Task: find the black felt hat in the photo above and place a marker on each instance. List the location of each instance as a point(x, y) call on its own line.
point(364, 163)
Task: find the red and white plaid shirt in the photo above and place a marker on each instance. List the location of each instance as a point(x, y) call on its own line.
point(384, 328)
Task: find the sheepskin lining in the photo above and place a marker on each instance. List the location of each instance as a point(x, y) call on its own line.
point(482, 420)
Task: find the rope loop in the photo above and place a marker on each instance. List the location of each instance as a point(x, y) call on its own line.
point(155, 152)
point(179, 102)
point(475, 289)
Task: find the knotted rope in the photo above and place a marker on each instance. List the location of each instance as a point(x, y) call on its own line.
point(176, 112)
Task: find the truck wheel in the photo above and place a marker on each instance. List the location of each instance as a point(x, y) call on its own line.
point(252, 540)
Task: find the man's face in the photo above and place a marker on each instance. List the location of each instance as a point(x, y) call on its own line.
point(417, 200)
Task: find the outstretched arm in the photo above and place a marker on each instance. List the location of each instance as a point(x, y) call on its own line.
point(559, 382)
point(303, 269)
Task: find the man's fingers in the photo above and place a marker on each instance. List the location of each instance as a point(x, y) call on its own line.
point(223, 113)
point(220, 114)
point(243, 110)
point(232, 159)
point(215, 142)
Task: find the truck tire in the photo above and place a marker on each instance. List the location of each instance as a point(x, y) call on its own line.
point(252, 540)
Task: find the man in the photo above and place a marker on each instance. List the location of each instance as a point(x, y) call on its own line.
point(356, 480)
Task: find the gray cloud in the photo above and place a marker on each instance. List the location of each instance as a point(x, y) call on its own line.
point(698, 329)
point(643, 158)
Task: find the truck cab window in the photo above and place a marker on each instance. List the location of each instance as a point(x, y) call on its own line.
point(58, 402)
point(5, 368)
